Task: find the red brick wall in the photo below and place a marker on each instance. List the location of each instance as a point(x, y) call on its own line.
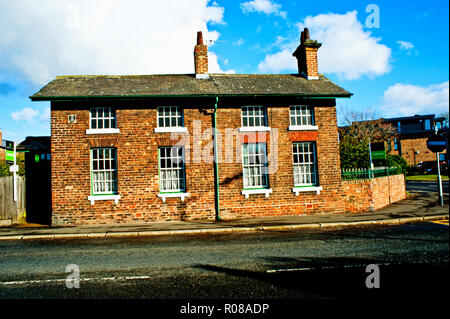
point(283, 201)
point(137, 149)
point(363, 195)
point(138, 167)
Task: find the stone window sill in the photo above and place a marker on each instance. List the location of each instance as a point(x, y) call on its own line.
point(103, 131)
point(316, 189)
point(182, 196)
point(248, 192)
point(93, 198)
point(303, 128)
point(255, 129)
point(171, 130)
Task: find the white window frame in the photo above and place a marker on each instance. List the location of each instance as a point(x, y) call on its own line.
point(304, 167)
point(261, 118)
point(261, 179)
point(173, 159)
point(306, 114)
point(112, 115)
point(167, 114)
point(109, 184)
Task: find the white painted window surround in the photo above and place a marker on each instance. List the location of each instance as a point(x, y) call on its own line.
point(316, 189)
point(103, 131)
point(115, 198)
point(102, 118)
point(301, 117)
point(182, 196)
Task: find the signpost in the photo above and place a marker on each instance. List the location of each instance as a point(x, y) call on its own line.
point(9, 151)
point(437, 143)
point(14, 168)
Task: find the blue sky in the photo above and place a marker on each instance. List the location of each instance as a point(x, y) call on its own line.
point(397, 68)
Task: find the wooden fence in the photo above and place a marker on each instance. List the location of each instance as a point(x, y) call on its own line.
point(10, 210)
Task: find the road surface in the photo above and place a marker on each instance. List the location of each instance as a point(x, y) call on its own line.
point(305, 265)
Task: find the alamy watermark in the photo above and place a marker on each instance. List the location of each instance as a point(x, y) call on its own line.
point(73, 279)
point(373, 280)
point(213, 145)
point(373, 19)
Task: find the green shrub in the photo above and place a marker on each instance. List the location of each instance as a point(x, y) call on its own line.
point(397, 161)
point(4, 169)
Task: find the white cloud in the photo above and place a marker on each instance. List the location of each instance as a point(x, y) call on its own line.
point(25, 114)
point(405, 45)
point(45, 115)
point(264, 6)
point(407, 99)
point(278, 62)
point(47, 38)
point(347, 50)
point(239, 42)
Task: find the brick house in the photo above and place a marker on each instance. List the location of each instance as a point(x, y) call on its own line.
point(135, 149)
point(411, 138)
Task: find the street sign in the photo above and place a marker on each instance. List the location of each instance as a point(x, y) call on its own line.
point(381, 154)
point(378, 151)
point(436, 143)
point(9, 152)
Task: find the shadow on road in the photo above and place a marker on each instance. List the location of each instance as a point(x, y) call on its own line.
point(344, 279)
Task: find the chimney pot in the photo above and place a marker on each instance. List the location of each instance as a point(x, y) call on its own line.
point(306, 33)
point(199, 38)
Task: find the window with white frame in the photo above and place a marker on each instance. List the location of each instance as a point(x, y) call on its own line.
point(254, 116)
point(255, 166)
point(301, 115)
point(103, 118)
point(170, 116)
point(304, 160)
point(104, 171)
point(171, 169)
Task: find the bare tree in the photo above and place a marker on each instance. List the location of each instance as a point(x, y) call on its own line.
point(366, 125)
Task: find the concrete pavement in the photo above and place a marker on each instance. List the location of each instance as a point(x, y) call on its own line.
point(422, 206)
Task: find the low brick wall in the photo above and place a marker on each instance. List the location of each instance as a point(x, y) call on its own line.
point(372, 194)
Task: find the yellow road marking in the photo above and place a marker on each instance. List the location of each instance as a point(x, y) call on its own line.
point(442, 222)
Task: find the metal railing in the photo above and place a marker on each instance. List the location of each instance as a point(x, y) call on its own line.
point(366, 173)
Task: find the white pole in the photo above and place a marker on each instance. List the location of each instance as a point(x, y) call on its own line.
point(370, 158)
point(15, 176)
point(441, 198)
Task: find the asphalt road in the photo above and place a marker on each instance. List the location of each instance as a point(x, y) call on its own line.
point(305, 265)
point(426, 186)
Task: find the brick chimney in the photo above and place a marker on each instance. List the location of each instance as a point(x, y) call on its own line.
point(201, 58)
point(306, 55)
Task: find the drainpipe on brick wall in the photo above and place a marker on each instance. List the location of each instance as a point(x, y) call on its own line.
point(216, 164)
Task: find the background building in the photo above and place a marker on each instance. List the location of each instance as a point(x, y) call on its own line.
point(412, 135)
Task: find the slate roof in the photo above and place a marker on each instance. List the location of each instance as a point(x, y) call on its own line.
point(35, 143)
point(185, 85)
